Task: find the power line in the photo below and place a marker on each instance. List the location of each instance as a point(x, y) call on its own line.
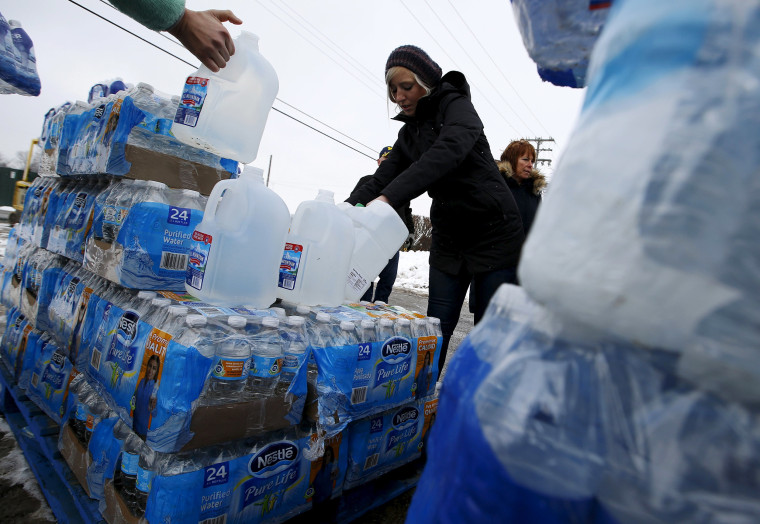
point(487, 78)
point(279, 100)
point(370, 87)
point(443, 49)
point(322, 37)
point(497, 68)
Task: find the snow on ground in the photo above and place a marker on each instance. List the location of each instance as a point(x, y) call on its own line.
point(413, 271)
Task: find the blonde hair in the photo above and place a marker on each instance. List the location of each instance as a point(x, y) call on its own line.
point(390, 73)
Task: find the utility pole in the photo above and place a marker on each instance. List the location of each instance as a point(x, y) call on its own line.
point(538, 142)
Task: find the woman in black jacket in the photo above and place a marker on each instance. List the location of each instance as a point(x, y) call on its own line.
point(525, 182)
point(442, 149)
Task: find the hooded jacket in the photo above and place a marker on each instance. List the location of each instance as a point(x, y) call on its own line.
point(443, 150)
point(527, 193)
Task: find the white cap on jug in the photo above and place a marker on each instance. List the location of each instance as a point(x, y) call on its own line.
point(326, 195)
point(236, 321)
point(255, 173)
point(404, 322)
point(270, 322)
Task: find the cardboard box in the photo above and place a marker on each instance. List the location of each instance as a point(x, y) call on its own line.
point(75, 455)
point(116, 512)
point(216, 424)
point(173, 171)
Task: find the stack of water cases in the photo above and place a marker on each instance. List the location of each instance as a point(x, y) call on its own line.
point(171, 407)
point(18, 64)
point(620, 384)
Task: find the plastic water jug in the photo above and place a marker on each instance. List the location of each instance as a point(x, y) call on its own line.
point(317, 253)
point(379, 233)
point(236, 249)
point(225, 112)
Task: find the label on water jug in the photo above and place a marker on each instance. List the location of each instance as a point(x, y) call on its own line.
point(197, 259)
point(191, 102)
point(291, 261)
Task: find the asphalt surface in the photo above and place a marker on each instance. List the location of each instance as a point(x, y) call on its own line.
point(21, 502)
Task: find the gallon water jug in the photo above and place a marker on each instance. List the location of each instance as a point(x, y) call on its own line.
point(317, 254)
point(225, 112)
point(236, 249)
point(379, 233)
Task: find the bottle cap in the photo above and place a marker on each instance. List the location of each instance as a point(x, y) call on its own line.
point(146, 295)
point(178, 310)
point(404, 321)
point(346, 325)
point(196, 320)
point(367, 324)
point(323, 317)
point(160, 302)
point(295, 320)
point(385, 322)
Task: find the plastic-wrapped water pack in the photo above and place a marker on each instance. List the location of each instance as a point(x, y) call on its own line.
point(650, 230)
point(559, 36)
point(542, 420)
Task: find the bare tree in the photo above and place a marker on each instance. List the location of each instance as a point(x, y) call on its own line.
point(422, 233)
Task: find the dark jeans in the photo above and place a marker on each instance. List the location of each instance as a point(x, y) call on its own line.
point(447, 294)
point(385, 284)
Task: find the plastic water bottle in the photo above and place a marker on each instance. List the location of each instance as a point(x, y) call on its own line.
point(225, 112)
point(385, 329)
point(404, 328)
point(280, 312)
point(323, 334)
point(116, 208)
point(130, 457)
point(317, 253)
point(146, 470)
point(296, 343)
point(159, 311)
point(175, 319)
point(266, 359)
point(379, 234)
point(435, 326)
point(225, 264)
point(367, 332)
point(420, 328)
point(348, 335)
point(192, 334)
point(230, 371)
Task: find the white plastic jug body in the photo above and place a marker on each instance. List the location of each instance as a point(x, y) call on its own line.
point(317, 254)
point(236, 250)
point(380, 233)
point(225, 113)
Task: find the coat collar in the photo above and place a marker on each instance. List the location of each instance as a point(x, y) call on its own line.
point(537, 180)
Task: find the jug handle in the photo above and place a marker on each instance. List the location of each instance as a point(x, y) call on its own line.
point(213, 199)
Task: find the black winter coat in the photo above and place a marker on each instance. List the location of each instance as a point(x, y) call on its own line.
point(443, 150)
point(527, 193)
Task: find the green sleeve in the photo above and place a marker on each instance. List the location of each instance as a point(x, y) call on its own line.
point(158, 15)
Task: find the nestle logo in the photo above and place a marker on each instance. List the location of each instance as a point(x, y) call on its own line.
point(100, 110)
point(272, 455)
point(396, 346)
point(128, 325)
point(405, 415)
point(58, 359)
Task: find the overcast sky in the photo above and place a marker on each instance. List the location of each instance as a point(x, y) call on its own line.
point(330, 59)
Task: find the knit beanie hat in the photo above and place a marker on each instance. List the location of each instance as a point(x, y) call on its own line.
point(417, 61)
